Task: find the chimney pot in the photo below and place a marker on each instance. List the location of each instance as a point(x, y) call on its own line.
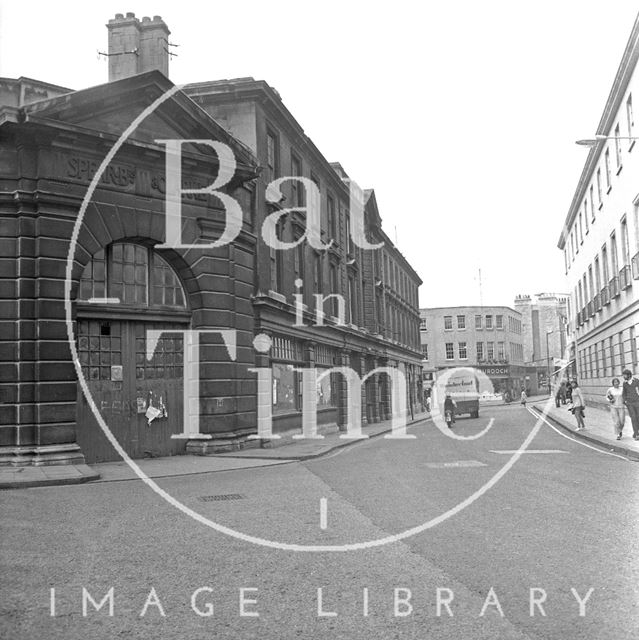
point(146, 19)
point(157, 18)
point(119, 16)
point(130, 14)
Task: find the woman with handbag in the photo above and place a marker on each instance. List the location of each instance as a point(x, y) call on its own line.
point(617, 407)
point(578, 405)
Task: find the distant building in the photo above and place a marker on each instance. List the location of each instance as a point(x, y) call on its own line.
point(600, 239)
point(489, 339)
point(544, 317)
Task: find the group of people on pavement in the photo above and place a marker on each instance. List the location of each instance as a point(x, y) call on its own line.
point(624, 398)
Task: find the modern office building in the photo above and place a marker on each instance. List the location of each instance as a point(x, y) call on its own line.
point(600, 238)
point(489, 339)
point(125, 281)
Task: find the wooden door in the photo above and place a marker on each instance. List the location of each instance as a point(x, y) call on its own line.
point(123, 382)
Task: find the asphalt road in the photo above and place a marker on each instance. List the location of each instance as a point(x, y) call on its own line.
point(558, 521)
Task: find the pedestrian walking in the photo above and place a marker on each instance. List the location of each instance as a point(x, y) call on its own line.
point(631, 400)
point(578, 405)
point(569, 392)
point(523, 398)
point(617, 406)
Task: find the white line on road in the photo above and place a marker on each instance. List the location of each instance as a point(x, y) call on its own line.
point(323, 515)
point(511, 451)
point(583, 444)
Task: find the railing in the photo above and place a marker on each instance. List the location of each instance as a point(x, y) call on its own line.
point(591, 309)
point(597, 302)
point(635, 266)
point(613, 285)
point(625, 279)
point(605, 295)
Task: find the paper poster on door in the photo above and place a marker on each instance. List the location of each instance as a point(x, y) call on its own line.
point(156, 408)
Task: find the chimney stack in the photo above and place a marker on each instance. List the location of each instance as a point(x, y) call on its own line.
point(137, 46)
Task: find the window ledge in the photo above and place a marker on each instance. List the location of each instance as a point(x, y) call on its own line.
point(276, 296)
point(619, 169)
point(600, 207)
point(609, 189)
point(631, 145)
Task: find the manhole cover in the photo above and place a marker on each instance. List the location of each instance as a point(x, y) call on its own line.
point(221, 496)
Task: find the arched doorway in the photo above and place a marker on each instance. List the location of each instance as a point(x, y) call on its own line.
point(125, 290)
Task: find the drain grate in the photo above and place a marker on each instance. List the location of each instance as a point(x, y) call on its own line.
point(221, 496)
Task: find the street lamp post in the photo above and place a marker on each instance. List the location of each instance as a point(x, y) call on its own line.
point(548, 361)
point(591, 142)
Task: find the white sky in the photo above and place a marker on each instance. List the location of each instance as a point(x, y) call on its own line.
point(461, 115)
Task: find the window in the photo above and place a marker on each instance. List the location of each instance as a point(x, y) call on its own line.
point(586, 215)
point(448, 323)
point(422, 324)
point(592, 202)
point(332, 226)
point(297, 189)
point(127, 271)
point(499, 322)
point(489, 322)
point(604, 263)
point(349, 246)
point(480, 351)
point(591, 282)
point(352, 298)
point(501, 354)
point(286, 388)
point(617, 148)
point(461, 348)
point(566, 265)
point(581, 229)
point(478, 324)
point(490, 350)
point(607, 165)
point(450, 351)
point(625, 243)
point(599, 188)
point(614, 261)
point(334, 289)
point(277, 261)
point(630, 120)
point(461, 322)
point(597, 274)
point(425, 351)
point(272, 156)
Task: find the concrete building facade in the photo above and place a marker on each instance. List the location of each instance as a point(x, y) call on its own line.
point(489, 339)
point(544, 317)
point(600, 239)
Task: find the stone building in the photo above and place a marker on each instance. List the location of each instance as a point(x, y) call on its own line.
point(600, 239)
point(127, 280)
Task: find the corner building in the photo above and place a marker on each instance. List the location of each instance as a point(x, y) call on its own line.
point(600, 240)
point(125, 283)
point(488, 339)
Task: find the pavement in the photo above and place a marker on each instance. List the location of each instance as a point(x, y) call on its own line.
point(288, 450)
point(599, 431)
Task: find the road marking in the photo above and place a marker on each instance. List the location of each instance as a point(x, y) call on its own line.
point(323, 515)
point(511, 451)
point(455, 465)
point(583, 444)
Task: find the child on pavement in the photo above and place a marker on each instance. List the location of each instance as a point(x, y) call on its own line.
point(617, 407)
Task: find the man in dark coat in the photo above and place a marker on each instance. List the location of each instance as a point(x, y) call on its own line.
point(631, 400)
